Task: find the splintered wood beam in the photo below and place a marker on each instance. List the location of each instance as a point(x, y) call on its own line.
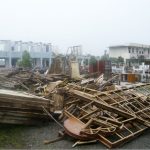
point(89, 114)
point(89, 97)
point(72, 102)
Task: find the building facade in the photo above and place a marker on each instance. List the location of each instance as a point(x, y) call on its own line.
point(130, 51)
point(11, 51)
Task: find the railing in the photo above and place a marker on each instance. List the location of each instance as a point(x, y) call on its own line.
point(7, 54)
point(4, 54)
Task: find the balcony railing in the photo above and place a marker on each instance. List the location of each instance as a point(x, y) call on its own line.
point(7, 54)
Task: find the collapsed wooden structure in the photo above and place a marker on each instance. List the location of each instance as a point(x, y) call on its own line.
point(90, 111)
point(22, 108)
point(112, 117)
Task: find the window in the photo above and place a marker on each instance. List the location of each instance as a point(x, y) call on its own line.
point(2, 47)
point(129, 50)
point(2, 62)
point(12, 48)
point(47, 48)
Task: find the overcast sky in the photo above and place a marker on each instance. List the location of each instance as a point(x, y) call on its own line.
point(95, 24)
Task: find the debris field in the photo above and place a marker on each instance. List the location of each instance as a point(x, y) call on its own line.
point(87, 109)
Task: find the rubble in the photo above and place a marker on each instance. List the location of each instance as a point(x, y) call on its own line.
point(22, 108)
point(111, 117)
point(90, 109)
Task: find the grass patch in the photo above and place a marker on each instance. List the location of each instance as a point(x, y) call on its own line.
point(11, 136)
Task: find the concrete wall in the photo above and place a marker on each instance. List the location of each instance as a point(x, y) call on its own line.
point(119, 51)
point(136, 50)
point(5, 45)
point(11, 50)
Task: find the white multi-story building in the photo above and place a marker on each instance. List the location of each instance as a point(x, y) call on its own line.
point(130, 51)
point(11, 51)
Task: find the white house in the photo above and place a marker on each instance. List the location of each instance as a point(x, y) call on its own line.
point(11, 51)
point(128, 51)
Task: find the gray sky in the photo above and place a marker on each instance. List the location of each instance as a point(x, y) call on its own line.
point(95, 24)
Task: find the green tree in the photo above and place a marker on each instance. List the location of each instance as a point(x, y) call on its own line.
point(105, 57)
point(26, 60)
point(113, 59)
point(85, 62)
point(93, 60)
point(120, 59)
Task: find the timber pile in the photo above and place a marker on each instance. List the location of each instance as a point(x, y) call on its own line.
point(112, 118)
point(91, 109)
point(22, 108)
point(27, 80)
point(18, 107)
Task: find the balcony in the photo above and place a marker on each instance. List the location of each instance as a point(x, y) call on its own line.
point(4, 54)
point(15, 54)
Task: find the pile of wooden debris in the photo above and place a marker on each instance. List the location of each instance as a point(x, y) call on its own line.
point(111, 117)
point(22, 108)
point(90, 109)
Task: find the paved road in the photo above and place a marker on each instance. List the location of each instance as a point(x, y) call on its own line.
point(34, 137)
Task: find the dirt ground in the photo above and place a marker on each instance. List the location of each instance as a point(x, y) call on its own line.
point(22, 137)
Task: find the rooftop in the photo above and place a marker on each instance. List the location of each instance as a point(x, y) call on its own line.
point(131, 45)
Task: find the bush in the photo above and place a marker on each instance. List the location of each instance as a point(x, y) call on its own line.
point(26, 60)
